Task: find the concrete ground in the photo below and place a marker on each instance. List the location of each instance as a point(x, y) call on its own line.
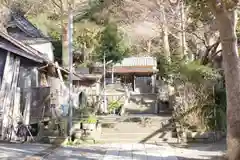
point(114, 151)
point(200, 151)
point(20, 151)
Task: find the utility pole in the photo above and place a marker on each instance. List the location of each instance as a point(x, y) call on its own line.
point(70, 44)
point(104, 84)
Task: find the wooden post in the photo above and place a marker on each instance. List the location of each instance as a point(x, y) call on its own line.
point(26, 114)
point(153, 83)
point(11, 73)
point(35, 70)
point(16, 113)
point(14, 100)
point(59, 72)
point(6, 92)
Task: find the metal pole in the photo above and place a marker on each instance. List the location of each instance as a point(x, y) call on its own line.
point(104, 84)
point(70, 42)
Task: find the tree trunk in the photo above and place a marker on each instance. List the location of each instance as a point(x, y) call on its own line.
point(64, 27)
point(165, 39)
point(183, 35)
point(149, 45)
point(227, 20)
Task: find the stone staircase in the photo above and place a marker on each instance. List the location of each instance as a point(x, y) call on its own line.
point(139, 105)
point(135, 129)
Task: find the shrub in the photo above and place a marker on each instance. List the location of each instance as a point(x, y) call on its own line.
point(90, 120)
point(194, 93)
point(114, 105)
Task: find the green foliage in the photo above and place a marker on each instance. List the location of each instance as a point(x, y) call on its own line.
point(197, 73)
point(111, 44)
point(199, 11)
point(179, 70)
point(46, 23)
point(90, 120)
point(194, 83)
point(114, 105)
point(57, 44)
point(214, 115)
point(238, 29)
point(86, 40)
point(94, 12)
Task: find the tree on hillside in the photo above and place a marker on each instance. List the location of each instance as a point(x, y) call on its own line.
point(111, 44)
point(61, 9)
point(225, 13)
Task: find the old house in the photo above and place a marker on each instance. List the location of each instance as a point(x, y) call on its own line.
point(26, 62)
point(32, 85)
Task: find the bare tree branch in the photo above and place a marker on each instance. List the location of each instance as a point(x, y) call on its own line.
point(210, 50)
point(203, 40)
point(56, 4)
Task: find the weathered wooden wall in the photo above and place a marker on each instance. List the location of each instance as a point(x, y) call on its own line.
point(2, 63)
point(28, 74)
point(7, 92)
point(39, 103)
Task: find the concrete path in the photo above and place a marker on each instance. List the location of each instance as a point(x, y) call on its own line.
point(115, 152)
point(131, 151)
point(20, 151)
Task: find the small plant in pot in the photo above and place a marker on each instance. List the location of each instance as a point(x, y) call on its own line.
point(89, 123)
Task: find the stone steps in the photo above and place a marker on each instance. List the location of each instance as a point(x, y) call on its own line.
point(137, 138)
point(127, 140)
point(135, 129)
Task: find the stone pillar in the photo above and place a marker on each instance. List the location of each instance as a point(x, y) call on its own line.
point(153, 83)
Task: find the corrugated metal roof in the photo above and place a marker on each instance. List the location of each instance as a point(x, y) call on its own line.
point(138, 61)
point(133, 70)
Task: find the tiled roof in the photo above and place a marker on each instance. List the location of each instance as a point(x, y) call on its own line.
point(26, 26)
point(21, 49)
